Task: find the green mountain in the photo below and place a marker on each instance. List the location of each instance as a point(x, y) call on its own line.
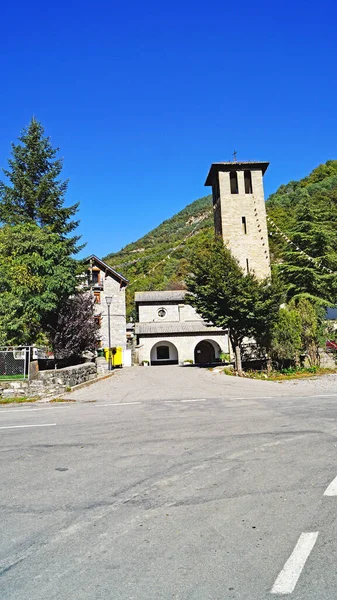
point(161, 259)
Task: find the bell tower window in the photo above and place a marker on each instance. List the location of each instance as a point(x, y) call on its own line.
point(248, 182)
point(233, 177)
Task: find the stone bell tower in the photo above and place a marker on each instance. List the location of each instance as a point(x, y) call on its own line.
point(240, 212)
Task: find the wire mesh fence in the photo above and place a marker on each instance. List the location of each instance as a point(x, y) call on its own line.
point(14, 363)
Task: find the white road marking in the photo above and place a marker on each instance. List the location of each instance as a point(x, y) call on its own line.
point(262, 398)
point(288, 577)
point(324, 396)
point(331, 490)
point(196, 400)
point(24, 426)
point(21, 410)
point(117, 404)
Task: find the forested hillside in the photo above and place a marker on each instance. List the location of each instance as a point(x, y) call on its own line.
point(305, 210)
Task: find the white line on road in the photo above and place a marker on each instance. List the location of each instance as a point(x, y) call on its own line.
point(288, 577)
point(324, 396)
point(21, 410)
point(24, 426)
point(331, 490)
point(196, 400)
point(117, 404)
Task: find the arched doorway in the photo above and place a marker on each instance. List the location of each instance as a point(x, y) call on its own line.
point(164, 353)
point(204, 353)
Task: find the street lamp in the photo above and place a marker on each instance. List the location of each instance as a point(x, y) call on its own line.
point(108, 300)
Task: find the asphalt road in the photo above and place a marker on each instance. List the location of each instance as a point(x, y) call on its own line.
point(166, 483)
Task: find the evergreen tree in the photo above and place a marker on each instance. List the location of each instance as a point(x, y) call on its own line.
point(35, 193)
point(37, 276)
point(314, 232)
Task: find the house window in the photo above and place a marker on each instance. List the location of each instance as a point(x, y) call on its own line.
point(247, 265)
point(233, 177)
point(248, 182)
point(244, 225)
point(161, 312)
point(98, 321)
point(95, 276)
point(97, 297)
point(163, 353)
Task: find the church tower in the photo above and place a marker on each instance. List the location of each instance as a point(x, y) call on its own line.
point(240, 212)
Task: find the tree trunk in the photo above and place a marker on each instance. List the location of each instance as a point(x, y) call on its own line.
point(238, 363)
point(269, 364)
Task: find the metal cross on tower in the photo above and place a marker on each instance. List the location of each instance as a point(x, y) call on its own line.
point(234, 155)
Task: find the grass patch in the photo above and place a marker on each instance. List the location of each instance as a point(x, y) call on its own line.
point(285, 374)
point(10, 377)
point(19, 400)
point(61, 400)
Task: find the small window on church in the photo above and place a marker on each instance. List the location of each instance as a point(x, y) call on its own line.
point(233, 176)
point(248, 182)
point(244, 225)
point(247, 265)
point(163, 353)
point(161, 313)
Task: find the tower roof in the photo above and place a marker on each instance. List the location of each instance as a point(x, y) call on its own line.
point(235, 166)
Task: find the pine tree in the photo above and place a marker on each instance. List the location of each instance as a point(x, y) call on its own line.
point(315, 233)
point(35, 193)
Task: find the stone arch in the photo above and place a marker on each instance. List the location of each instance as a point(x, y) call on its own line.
point(164, 353)
point(206, 352)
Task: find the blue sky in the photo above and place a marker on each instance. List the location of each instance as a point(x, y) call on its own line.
point(141, 97)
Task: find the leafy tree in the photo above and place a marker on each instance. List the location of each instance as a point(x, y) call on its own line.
point(224, 296)
point(35, 193)
point(312, 323)
point(75, 330)
point(36, 276)
point(286, 340)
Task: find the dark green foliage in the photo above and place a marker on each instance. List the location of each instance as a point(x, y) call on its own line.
point(286, 337)
point(36, 276)
point(75, 330)
point(37, 271)
point(224, 296)
point(35, 194)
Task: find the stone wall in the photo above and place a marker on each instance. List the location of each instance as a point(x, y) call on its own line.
point(117, 312)
point(50, 382)
point(252, 245)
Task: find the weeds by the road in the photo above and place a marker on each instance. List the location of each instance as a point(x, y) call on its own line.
point(18, 400)
point(61, 400)
point(284, 374)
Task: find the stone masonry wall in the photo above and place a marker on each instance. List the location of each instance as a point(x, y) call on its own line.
point(117, 313)
point(252, 245)
point(49, 382)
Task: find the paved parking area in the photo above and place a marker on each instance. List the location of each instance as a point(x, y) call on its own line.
point(171, 483)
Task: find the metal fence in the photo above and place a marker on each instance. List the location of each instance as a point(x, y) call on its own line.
point(14, 363)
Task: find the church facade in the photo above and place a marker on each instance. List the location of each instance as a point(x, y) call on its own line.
point(169, 331)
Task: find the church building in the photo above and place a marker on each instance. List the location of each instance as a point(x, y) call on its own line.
point(169, 331)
